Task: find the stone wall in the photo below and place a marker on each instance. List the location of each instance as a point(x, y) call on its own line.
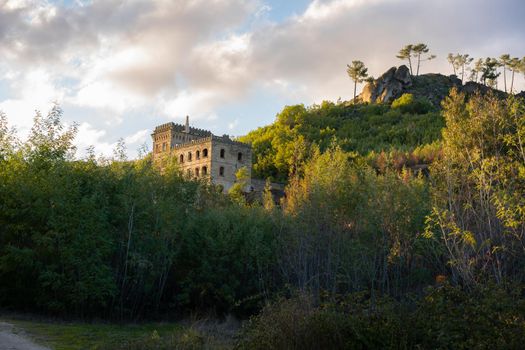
point(221, 162)
point(229, 161)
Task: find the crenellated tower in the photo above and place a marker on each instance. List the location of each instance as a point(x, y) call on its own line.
point(200, 154)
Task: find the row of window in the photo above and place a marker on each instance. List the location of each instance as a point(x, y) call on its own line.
point(204, 171)
point(205, 155)
point(197, 155)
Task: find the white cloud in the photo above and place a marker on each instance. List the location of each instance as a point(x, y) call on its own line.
point(194, 103)
point(31, 90)
point(139, 137)
point(322, 9)
point(88, 136)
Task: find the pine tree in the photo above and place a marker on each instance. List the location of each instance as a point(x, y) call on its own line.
point(406, 54)
point(452, 59)
point(358, 72)
point(463, 62)
point(418, 50)
point(474, 72)
point(489, 72)
point(514, 66)
point(505, 61)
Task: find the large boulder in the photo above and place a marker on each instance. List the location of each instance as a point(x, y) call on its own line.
point(402, 74)
point(388, 86)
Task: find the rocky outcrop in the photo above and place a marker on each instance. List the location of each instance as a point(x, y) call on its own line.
point(388, 86)
point(433, 87)
point(471, 87)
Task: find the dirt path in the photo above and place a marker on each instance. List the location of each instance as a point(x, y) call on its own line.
point(10, 339)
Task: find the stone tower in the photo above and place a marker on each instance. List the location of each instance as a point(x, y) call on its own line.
point(200, 154)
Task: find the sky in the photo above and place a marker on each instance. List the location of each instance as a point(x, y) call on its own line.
point(118, 68)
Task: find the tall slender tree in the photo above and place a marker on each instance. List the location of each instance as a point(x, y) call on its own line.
point(357, 72)
point(465, 62)
point(452, 59)
point(505, 61)
point(418, 50)
point(406, 54)
point(474, 71)
point(514, 67)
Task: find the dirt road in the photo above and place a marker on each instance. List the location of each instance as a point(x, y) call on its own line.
point(11, 339)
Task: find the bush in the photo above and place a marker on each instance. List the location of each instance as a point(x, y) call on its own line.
point(407, 103)
point(446, 317)
point(354, 323)
point(487, 317)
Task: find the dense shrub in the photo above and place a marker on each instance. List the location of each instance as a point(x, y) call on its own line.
point(445, 317)
point(486, 317)
point(298, 324)
point(407, 103)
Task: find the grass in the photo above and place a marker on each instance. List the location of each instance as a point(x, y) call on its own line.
point(103, 336)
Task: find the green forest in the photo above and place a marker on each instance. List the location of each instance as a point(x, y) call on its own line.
point(365, 250)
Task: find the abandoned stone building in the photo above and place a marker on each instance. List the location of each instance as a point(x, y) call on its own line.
point(200, 154)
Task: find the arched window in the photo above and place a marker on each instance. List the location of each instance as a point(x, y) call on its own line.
point(181, 158)
point(239, 156)
point(205, 152)
point(222, 152)
point(189, 156)
point(189, 172)
point(198, 155)
point(204, 171)
point(221, 171)
point(163, 146)
point(197, 172)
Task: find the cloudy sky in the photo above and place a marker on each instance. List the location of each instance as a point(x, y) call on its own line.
point(118, 67)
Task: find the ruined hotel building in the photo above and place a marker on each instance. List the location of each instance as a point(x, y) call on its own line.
point(200, 154)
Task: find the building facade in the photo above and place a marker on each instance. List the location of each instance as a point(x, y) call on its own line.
point(200, 154)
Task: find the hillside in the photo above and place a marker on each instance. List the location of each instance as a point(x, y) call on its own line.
point(407, 128)
point(396, 122)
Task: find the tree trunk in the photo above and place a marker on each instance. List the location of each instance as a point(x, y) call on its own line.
point(355, 88)
point(418, 62)
point(410, 65)
point(505, 77)
point(130, 229)
point(512, 81)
